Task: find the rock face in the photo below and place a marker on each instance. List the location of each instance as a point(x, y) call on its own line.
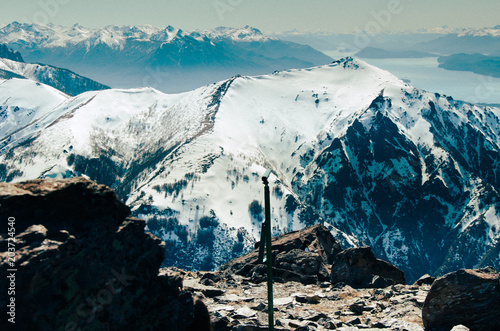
point(81, 263)
point(467, 297)
point(304, 256)
point(359, 268)
point(7, 53)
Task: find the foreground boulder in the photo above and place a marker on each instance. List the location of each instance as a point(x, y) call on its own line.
point(359, 268)
point(304, 256)
point(82, 263)
point(467, 297)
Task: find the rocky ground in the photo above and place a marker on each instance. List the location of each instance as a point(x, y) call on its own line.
point(235, 303)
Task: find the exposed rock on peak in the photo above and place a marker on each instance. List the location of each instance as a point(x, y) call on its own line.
point(83, 264)
point(303, 256)
point(359, 268)
point(306, 256)
point(467, 297)
point(74, 205)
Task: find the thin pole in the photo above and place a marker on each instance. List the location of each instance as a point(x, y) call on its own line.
point(269, 253)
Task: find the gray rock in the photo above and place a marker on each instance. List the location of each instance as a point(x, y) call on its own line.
point(357, 308)
point(460, 328)
point(425, 280)
point(359, 268)
point(467, 297)
point(82, 261)
point(354, 321)
point(291, 261)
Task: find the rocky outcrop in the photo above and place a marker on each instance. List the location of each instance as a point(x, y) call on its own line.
point(467, 297)
point(304, 256)
point(359, 268)
point(425, 279)
point(7, 53)
point(81, 263)
point(312, 255)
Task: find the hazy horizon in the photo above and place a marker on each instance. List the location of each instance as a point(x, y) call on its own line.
point(268, 16)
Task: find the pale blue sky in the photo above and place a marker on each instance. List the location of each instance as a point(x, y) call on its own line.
point(341, 16)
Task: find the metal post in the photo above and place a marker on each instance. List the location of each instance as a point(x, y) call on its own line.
point(269, 252)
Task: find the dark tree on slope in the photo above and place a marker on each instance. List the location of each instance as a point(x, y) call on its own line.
point(255, 209)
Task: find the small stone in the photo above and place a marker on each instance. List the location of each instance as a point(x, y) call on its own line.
point(260, 307)
point(330, 325)
point(283, 301)
point(304, 328)
point(212, 292)
point(311, 315)
point(425, 280)
point(295, 324)
point(357, 308)
point(325, 284)
point(354, 321)
point(300, 298)
point(243, 312)
point(370, 307)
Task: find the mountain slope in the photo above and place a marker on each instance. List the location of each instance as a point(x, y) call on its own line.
point(7, 53)
point(168, 59)
point(413, 174)
point(26, 107)
point(61, 79)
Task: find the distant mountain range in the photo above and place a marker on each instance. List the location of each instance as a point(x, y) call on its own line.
point(168, 59)
point(463, 46)
point(411, 173)
point(442, 41)
point(483, 41)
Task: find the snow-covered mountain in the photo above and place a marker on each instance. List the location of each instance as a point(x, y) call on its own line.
point(439, 41)
point(484, 41)
point(168, 58)
point(61, 79)
point(414, 174)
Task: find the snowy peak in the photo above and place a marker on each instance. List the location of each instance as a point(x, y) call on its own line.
point(115, 36)
point(484, 32)
point(246, 34)
point(20, 113)
point(168, 58)
point(412, 173)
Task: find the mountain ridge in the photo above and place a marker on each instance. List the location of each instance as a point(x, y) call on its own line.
point(64, 80)
point(167, 59)
point(411, 173)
